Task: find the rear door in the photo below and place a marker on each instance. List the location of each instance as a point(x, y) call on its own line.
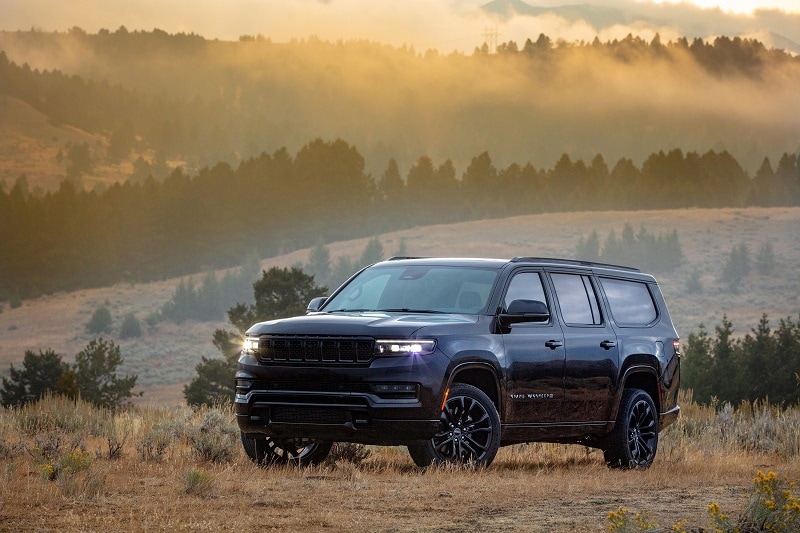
point(592, 354)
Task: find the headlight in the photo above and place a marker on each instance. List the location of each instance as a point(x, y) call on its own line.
point(250, 345)
point(404, 347)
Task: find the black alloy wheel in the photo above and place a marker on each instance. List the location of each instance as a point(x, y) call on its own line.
point(469, 432)
point(266, 451)
point(634, 441)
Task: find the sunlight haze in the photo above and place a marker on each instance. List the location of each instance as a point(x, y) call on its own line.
point(446, 25)
point(744, 6)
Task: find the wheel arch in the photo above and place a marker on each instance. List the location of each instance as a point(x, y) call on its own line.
point(482, 376)
point(639, 377)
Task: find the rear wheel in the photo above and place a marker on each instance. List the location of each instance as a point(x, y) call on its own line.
point(634, 441)
point(469, 431)
point(271, 451)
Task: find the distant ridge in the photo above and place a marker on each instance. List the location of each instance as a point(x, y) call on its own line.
point(782, 42)
point(603, 17)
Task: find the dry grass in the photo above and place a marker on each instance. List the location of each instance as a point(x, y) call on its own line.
point(165, 359)
point(535, 487)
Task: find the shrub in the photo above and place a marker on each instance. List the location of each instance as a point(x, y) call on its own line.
point(772, 505)
point(765, 260)
point(694, 284)
point(100, 321)
point(348, 452)
point(117, 430)
point(737, 266)
point(131, 327)
point(214, 437)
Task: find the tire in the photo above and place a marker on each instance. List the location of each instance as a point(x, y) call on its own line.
point(469, 432)
point(634, 440)
point(265, 451)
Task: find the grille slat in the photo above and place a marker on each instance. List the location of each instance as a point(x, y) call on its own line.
point(309, 415)
point(302, 349)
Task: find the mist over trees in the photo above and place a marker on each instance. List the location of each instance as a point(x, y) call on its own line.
point(199, 101)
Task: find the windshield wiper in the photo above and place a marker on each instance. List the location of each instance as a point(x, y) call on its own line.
point(349, 310)
point(409, 310)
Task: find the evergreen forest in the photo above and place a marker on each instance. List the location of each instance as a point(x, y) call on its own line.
point(279, 202)
point(253, 148)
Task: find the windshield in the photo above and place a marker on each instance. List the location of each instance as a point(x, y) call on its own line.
point(421, 289)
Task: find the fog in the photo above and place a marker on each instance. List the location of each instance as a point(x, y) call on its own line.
point(446, 25)
point(396, 99)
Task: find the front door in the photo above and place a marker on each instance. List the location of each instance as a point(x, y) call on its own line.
point(535, 359)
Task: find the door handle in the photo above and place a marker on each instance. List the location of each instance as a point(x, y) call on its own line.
point(608, 344)
point(553, 344)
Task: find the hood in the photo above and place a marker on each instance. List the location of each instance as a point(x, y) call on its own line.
point(368, 324)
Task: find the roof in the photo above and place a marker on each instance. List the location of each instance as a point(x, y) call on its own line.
point(475, 262)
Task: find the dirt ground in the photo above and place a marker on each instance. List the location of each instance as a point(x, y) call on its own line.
point(386, 493)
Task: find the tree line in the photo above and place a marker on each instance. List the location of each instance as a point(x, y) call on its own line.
point(762, 365)
point(275, 203)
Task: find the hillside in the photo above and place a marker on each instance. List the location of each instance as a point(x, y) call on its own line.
point(165, 358)
point(30, 143)
point(203, 101)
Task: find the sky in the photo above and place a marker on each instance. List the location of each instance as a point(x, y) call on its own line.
point(748, 6)
point(446, 25)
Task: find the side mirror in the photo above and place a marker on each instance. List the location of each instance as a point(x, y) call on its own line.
point(315, 304)
point(525, 311)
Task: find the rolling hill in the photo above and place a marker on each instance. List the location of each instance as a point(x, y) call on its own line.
point(165, 357)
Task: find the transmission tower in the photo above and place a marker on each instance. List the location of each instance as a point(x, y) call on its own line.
point(490, 39)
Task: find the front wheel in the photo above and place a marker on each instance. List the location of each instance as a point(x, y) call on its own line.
point(271, 451)
point(469, 431)
point(633, 442)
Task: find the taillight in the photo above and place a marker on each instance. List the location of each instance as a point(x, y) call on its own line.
point(676, 345)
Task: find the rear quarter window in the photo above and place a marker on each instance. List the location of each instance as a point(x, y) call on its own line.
point(630, 302)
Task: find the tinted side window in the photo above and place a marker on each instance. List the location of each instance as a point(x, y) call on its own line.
point(577, 299)
point(525, 286)
point(630, 301)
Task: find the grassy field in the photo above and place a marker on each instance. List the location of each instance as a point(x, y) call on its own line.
point(164, 358)
point(69, 467)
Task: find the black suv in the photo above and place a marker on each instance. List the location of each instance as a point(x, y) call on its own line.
point(454, 358)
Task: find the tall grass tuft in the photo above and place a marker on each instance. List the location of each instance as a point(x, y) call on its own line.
point(198, 482)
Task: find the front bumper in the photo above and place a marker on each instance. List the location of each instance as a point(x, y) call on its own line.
point(391, 401)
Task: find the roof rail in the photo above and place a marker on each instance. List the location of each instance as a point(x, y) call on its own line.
point(399, 257)
point(575, 262)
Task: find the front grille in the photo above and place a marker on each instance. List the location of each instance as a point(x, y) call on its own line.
point(312, 386)
point(303, 349)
